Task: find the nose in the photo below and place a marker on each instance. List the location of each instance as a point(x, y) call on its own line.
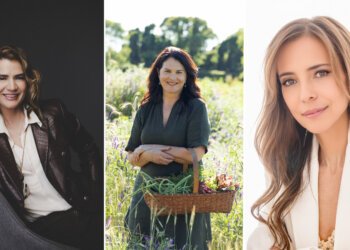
point(172, 76)
point(307, 91)
point(12, 85)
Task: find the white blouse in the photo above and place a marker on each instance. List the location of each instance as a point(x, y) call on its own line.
point(43, 198)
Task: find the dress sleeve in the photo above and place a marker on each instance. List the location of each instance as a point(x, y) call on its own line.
point(198, 126)
point(135, 136)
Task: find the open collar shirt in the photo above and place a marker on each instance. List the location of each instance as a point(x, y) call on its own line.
point(43, 198)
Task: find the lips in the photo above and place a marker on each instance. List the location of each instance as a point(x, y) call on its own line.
point(313, 113)
point(172, 83)
point(11, 97)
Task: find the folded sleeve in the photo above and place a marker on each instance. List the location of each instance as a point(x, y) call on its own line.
point(198, 126)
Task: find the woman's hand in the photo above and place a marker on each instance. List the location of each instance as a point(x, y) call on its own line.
point(160, 156)
point(147, 153)
point(142, 148)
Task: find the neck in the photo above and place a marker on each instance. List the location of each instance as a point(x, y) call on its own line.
point(333, 144)
point(13, 118)
point(170, 99)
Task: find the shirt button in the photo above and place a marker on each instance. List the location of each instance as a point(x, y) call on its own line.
point(63, 153)
point(85, 197)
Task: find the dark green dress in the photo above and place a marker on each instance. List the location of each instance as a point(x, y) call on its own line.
point(187, 126)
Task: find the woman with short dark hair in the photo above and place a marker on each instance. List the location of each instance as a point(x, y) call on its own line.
point(35, 172)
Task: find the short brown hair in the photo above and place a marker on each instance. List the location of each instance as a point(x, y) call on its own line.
point(32, 76)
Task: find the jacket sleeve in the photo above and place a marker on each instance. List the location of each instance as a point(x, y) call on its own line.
point(261, 238)
point(83, 143)
point(90, 181)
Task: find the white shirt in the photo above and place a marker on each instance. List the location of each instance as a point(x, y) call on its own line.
point(43, 198)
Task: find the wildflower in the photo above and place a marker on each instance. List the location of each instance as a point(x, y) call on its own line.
point(156, 246)
point(108, 222)
point(120, 205)
point(237, 218)
point(171, 241)
point(228, 226)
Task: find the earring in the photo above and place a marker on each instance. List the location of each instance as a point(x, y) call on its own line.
point(185, 85)
point(158, 83)
point(305, 137)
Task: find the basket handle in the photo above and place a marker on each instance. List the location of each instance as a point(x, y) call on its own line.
point(195, 170)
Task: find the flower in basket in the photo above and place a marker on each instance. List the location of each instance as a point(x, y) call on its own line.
point(220, 183)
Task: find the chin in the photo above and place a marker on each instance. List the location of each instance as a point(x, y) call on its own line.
point(318, 128)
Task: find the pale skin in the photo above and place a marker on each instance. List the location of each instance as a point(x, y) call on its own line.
point(12, 92)
point(316, 101)
point(172, 76)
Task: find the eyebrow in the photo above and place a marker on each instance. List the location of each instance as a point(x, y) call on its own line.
point(175, 69)
point(308, 69)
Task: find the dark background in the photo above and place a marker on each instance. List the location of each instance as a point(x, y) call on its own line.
point(64, 41)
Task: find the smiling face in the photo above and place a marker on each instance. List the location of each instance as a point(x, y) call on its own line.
point(309, 86)
point(172, 77)
point(12, 85)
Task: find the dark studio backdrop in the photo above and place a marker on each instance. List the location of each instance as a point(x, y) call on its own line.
point(64, 41)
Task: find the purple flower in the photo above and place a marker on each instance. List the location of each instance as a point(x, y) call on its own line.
point(120, 205)
point(147, 238)
point(108, 222)
point(228, 226)
point(121, 195)
point(156, 246)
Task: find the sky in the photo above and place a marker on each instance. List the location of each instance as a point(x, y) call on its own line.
point(224, 17)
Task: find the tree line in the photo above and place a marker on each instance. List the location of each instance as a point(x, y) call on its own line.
point(188, 33)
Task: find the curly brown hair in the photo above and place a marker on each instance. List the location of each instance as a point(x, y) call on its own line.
point(32, 77)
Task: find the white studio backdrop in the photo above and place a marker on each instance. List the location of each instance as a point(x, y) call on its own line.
point(263, 20)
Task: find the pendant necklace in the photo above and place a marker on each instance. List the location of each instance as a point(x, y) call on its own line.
point(26, 191)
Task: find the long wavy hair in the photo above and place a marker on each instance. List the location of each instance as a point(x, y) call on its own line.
point(32, 77)
point(154, 92)
point(283, 145)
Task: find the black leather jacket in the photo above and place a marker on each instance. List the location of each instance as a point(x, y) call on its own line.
point(60, 130)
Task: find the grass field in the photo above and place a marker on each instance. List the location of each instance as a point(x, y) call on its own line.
point(225, 154)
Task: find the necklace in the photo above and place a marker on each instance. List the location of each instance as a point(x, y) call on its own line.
point(26, 191)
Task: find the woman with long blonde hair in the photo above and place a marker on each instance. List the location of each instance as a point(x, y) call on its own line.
point(302, 138)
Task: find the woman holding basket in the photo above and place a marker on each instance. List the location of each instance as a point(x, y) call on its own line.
point(172, 117)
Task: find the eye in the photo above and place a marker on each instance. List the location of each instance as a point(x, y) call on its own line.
point(289, 82)
point(3, 77)
point(321, 73)
point(179, 72)
point(20, 77)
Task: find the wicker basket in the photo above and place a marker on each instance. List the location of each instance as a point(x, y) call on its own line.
point(161, 204)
